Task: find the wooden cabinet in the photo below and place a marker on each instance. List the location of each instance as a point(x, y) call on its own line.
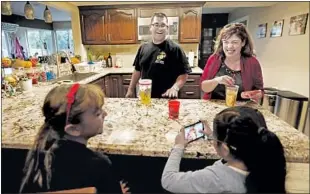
point(93, 27)
point(191, 89)
point(116, 86)
point(116, 89)
point(190, 24)
point(122, 26)
point(110, 26)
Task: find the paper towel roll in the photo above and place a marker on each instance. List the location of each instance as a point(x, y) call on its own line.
point(191, 58)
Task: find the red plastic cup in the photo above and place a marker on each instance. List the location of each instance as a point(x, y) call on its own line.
point(174, 108)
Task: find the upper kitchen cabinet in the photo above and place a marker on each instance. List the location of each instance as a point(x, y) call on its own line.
point(122, 26)
point(190, 24)
point(93, 27)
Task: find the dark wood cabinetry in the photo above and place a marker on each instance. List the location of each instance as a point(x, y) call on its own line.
point(111, 26)
point(190, 24)
point(93, 27)
point(118, 24)
point(191, 89)
point(122, 26)
point(116, 86)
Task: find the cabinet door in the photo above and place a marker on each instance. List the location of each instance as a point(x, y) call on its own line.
point(93, 27)
point(107, 86)
point(190, 24)
point(116, 86)
point(122, 26)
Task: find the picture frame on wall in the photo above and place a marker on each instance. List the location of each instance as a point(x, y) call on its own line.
point(261, 31)
point(244, 20)
point(298, 24)
point(277, 28)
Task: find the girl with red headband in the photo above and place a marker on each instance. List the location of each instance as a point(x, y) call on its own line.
point(60, 159)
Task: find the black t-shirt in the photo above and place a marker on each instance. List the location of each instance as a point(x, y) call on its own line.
point(162, 63)
point(75, 166)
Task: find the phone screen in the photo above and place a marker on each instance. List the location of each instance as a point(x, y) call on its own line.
point(192, 132)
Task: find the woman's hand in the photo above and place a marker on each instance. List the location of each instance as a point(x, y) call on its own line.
point(180, 139)
point(225, 80)
point(254, 95)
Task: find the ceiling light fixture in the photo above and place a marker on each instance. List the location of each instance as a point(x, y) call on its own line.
point(6, 8)
point(48, 15)
point(28, 11)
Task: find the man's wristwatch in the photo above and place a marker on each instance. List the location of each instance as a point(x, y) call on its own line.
point(176, 88)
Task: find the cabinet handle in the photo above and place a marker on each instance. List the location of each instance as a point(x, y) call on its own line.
point(190, 80)
point(189, 93)
point(127, 80)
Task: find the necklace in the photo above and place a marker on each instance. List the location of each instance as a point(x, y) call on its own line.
point(231, 72)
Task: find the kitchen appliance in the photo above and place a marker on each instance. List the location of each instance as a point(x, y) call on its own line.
point(144, 33)
point(269, 98)
point(292, 108)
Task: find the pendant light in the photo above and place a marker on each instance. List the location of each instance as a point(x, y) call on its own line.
point(6, 8)
point(48, 15)
point(28, 11)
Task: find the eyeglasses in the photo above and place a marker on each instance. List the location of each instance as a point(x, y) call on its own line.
point(157, 25)
point(211, 138)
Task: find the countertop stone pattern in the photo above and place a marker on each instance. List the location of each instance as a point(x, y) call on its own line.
point(132, 129)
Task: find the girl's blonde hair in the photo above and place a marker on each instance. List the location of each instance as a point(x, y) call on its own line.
point(55, 113)
point(239, 30)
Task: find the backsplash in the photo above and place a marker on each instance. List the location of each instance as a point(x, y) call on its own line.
point(128, 52)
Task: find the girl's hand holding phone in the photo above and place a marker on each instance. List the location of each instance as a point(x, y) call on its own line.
point(207, 130)
point(180, 140)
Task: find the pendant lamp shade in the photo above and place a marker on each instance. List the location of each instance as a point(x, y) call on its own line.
point(28, 11)
point(48, 15)
point(6, 8)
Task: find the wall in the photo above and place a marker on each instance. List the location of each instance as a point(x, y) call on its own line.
point(128, 52)
point(79, 48)
point(285, 60)
point(61, 25)
point(23, 22)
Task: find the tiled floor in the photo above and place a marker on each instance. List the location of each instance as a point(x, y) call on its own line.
point(297, 180)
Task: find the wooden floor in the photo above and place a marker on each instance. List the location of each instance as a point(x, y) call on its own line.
point(297, 180)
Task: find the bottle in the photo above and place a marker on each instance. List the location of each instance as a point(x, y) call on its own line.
point(109, 61)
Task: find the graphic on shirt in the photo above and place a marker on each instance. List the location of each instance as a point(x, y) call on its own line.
point(160, 57)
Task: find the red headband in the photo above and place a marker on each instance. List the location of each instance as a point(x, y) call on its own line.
point(70, 98)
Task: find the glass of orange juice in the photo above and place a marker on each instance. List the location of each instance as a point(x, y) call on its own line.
point(231, 95)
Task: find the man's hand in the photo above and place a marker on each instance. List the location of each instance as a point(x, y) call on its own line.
point(171, 93)
point(130, 93)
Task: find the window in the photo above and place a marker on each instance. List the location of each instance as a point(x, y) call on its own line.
point(64, 40)
point(40, 41)
point(4, 45)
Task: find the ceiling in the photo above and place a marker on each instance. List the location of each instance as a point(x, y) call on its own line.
point(206, 10)
point(58, 15)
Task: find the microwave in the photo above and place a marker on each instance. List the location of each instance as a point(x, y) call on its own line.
point(144, 33)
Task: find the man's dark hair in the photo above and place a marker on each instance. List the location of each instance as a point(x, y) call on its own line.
point(159, 15)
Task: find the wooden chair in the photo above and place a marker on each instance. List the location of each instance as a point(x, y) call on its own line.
point(82, 190)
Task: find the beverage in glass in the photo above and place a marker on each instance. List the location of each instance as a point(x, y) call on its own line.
point(145, 89)
point(231, 95)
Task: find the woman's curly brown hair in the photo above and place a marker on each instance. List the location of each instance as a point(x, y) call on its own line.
point(239, 30)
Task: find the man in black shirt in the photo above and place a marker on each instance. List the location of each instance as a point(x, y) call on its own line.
point(162, 61)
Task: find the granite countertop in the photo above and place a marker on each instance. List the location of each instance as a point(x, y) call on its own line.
point(131, 129)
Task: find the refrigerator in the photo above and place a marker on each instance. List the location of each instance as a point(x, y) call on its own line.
point(211, 25)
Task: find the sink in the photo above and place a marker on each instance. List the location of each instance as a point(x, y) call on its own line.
point(75, 77)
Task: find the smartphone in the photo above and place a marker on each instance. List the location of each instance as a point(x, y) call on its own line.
point(192, 132)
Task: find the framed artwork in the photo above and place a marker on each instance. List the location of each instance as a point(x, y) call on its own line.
point(277, 28)
point(261, 31)
point(298, 24)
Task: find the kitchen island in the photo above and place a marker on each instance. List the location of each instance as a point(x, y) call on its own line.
point(131, 129)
